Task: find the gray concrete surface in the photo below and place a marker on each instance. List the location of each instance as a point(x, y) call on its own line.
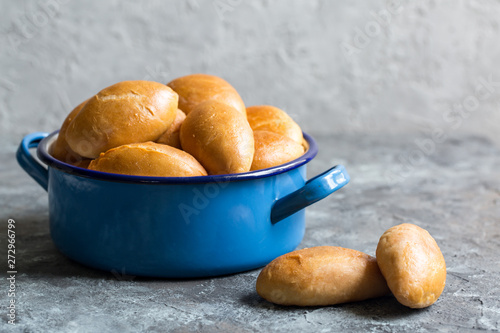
point(453, 194)
point(404, 93)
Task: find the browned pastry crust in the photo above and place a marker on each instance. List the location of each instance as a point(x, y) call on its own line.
point(197, 88)
point(413, 265)
point(60, 148)
point(270, 118)
point(323, 275)
point(126, 112)
point(219, 137)
point(171, 135)
point(148, 159)
point(273, 149)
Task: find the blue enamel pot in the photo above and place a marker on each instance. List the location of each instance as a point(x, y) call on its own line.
point(176, 227)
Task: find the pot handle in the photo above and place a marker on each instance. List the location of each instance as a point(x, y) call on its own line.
point(314, 190)
point(28, 162)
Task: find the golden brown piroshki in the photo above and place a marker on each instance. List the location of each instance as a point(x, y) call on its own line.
point(272, 119)
point(413, 265)
point(171, 135)
point(219, 137)
point(148, 159)
point(198, 88)
point(124, 113)
point(322, 275)
point(273, 149)
point(60, 148)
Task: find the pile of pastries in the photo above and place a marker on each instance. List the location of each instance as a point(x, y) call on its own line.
point(195, 125)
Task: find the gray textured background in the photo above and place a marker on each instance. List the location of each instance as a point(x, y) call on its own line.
point(408, 102)
point(336, 67)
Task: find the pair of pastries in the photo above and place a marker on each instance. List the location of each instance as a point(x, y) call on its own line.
point(409, 264)
point(195, 125)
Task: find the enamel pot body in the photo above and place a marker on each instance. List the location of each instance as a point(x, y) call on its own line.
point(176, 227)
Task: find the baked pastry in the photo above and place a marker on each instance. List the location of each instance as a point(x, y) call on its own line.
point(273, 149)
point(305, 144)
point(272, 119)
point(126, 112)
point(148, 159)
point(219, 137)
point(197, 88)
point(413, 265)
point(60, 148)
point(323, 275)
point(171, 135)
